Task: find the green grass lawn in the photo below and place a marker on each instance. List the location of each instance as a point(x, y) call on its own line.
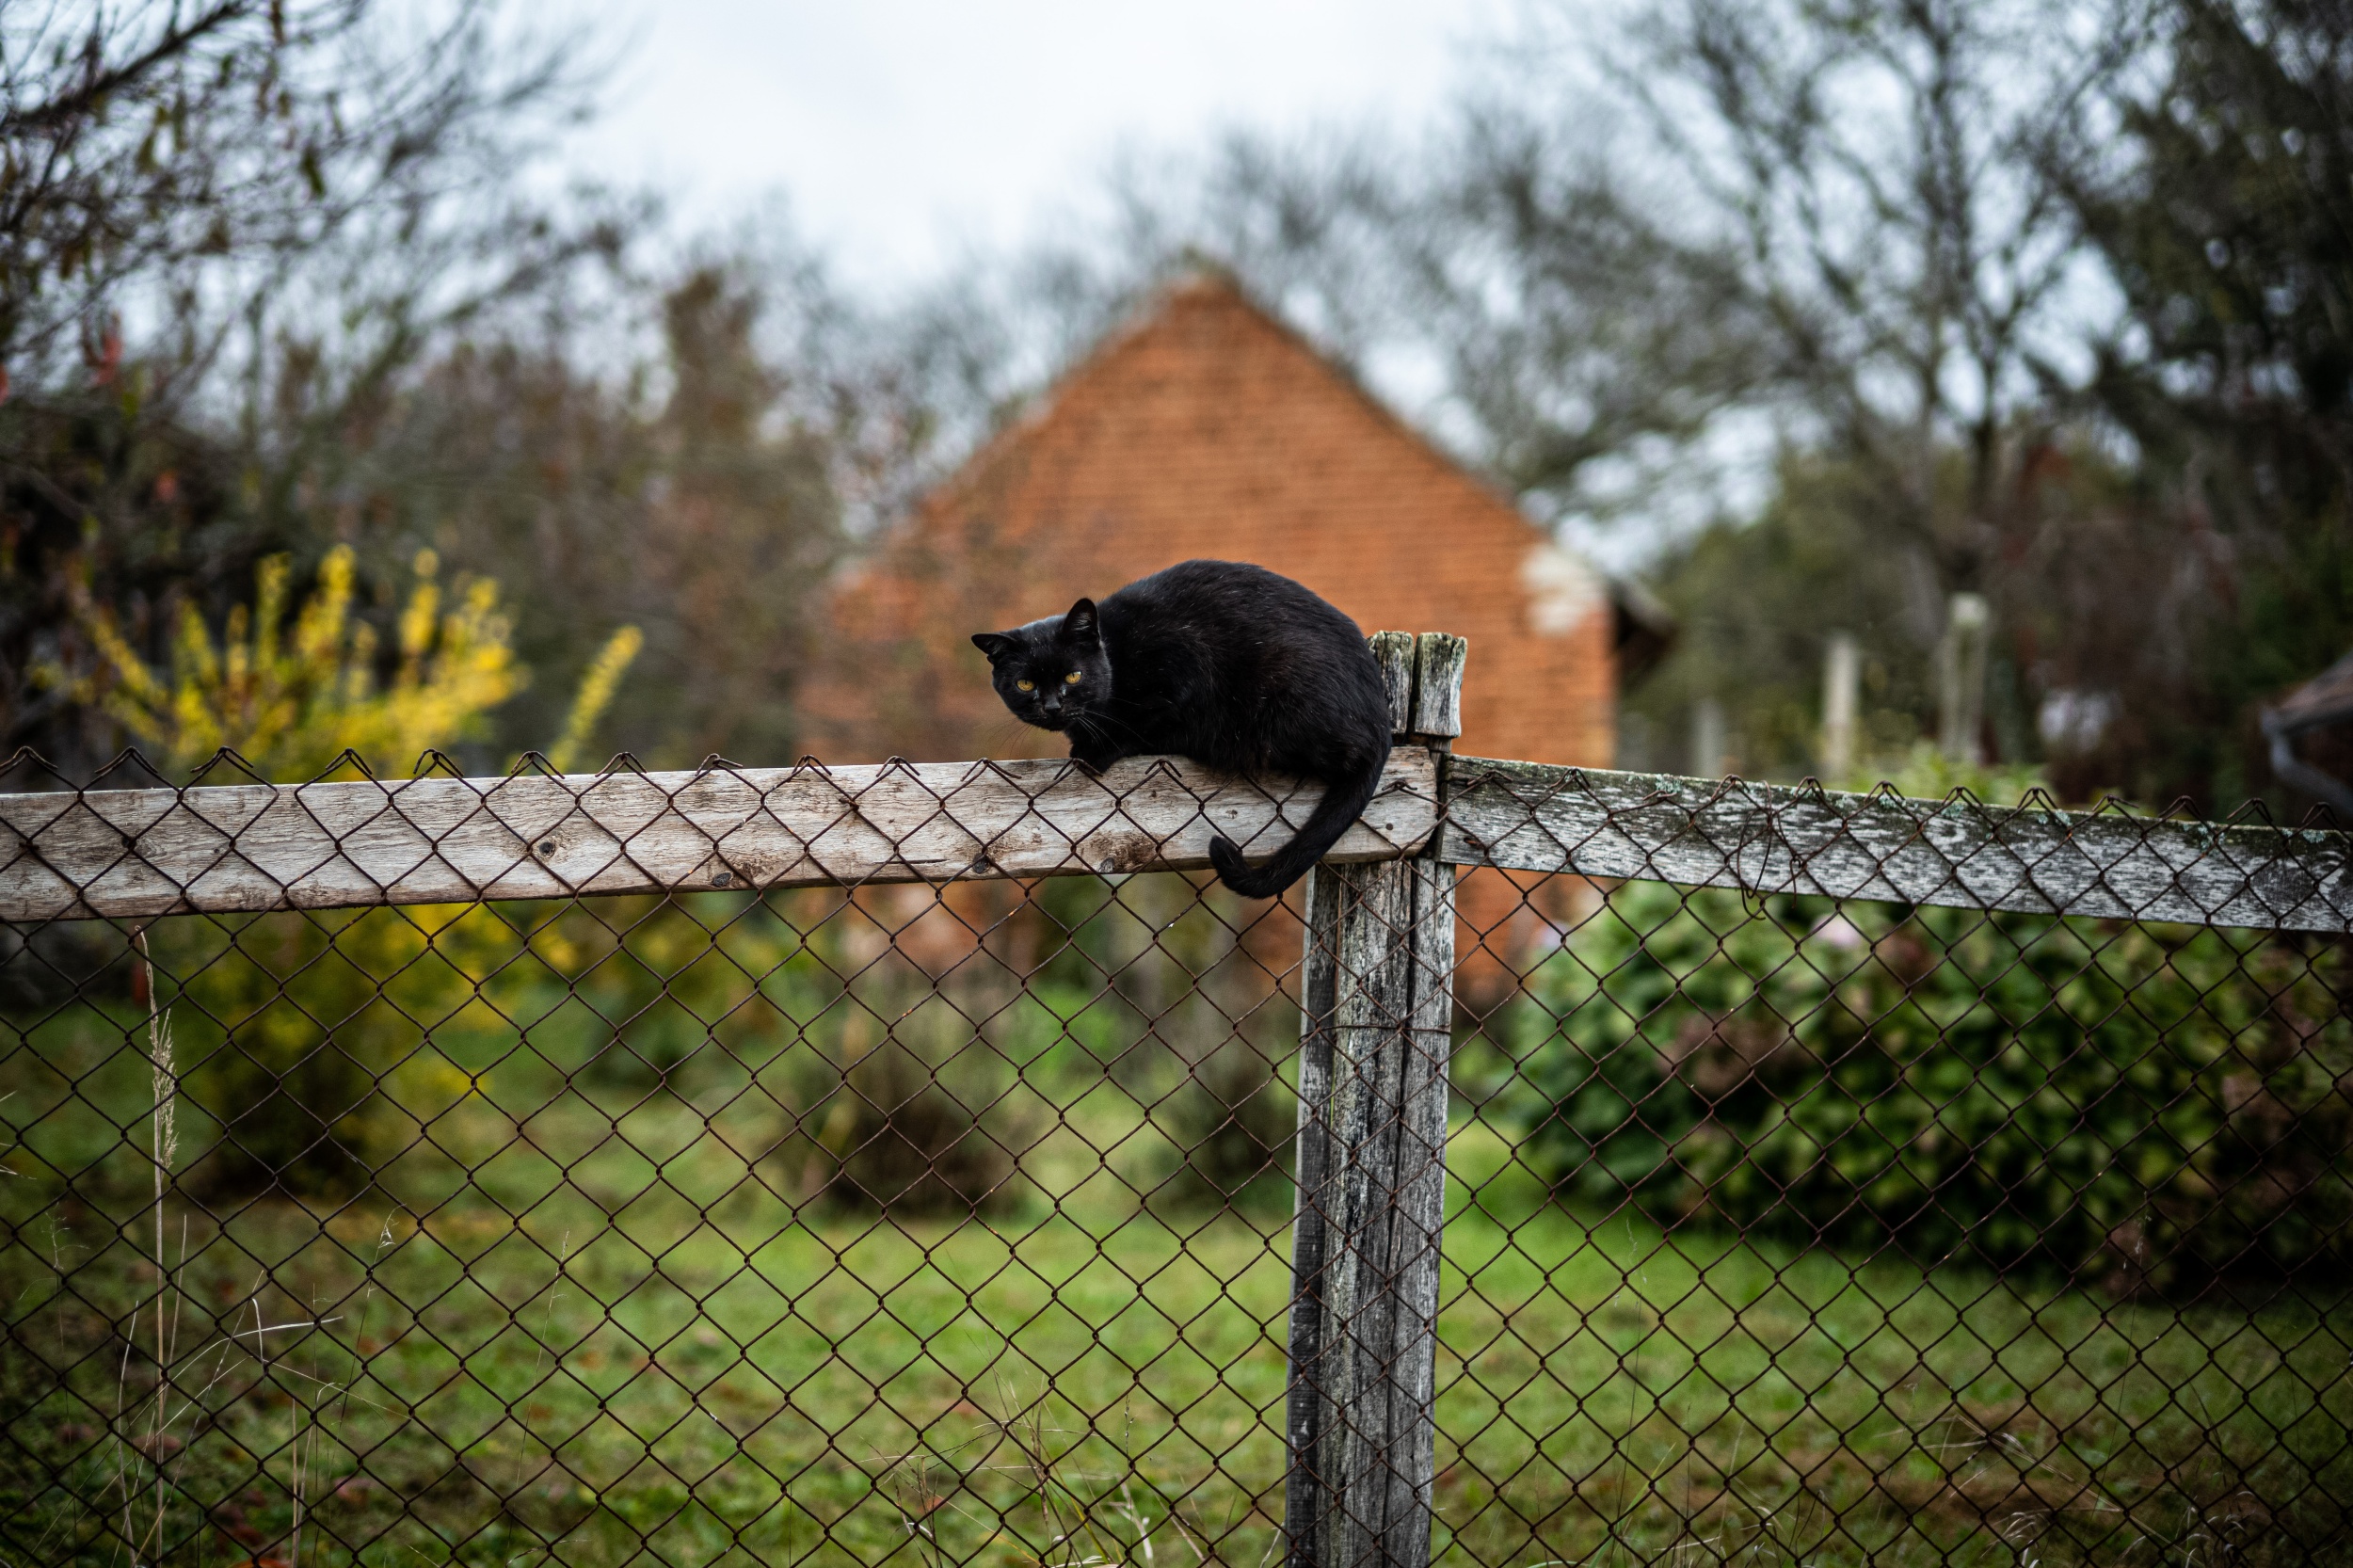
point(624, 1349)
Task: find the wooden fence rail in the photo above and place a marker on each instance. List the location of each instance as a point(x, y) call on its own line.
point(247, 848)
point(139, 853)
point(1959, 854)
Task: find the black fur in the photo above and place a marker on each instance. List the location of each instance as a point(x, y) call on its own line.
point(1221, 662)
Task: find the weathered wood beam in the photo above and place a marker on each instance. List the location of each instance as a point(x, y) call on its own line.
point(142, 853)
point(1375, 1038)
point(1770, 838)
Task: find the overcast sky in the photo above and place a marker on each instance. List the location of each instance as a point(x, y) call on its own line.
point(903, 132)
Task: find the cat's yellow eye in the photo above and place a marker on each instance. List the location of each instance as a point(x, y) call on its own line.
point(1070, 680)
point(1025, 685)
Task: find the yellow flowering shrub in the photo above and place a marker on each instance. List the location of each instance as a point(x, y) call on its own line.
point(290, 700)
point(281, 1101)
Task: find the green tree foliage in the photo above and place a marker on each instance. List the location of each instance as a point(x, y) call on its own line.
point(2126, 1105)
point(1753, 604)
point(2094, 606)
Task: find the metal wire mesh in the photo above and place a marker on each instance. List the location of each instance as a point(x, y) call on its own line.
point(951, 1220)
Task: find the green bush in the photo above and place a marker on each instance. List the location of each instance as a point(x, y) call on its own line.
point(311, 1046)
point(2135, 1106)
point(283, 1037)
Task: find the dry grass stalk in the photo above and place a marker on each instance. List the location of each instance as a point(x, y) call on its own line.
point(164, 1152)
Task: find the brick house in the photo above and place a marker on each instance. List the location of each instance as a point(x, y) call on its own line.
point(1205, 427)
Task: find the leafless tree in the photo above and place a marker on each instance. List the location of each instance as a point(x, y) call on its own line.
point(175, 162)
point(1884, 168)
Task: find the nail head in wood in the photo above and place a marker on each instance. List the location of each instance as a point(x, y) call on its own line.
point(1438, 658)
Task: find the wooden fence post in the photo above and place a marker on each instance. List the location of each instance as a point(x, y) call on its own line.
point(1376, 1029)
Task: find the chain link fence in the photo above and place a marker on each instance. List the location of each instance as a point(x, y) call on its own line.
point(925, 1164)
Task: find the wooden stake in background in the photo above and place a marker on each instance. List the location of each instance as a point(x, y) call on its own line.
point(1707, 738)
point(1961, 658)
point(1841, 682)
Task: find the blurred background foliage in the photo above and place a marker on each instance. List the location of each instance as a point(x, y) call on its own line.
point(1811, 316)
point(291, 700)
point(1808, 317)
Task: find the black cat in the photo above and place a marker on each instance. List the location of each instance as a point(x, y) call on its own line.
point(1221, 662)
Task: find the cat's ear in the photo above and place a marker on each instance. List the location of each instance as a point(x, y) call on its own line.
point(995, 643)
point(1082, 624)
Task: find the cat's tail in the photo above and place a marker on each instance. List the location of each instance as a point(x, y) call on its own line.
point(1341, 805)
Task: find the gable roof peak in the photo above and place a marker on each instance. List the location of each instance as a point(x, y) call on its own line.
point(1204, 275)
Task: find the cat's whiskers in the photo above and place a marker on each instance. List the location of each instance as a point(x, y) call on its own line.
point(1101, 723)
point(1009, 736)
